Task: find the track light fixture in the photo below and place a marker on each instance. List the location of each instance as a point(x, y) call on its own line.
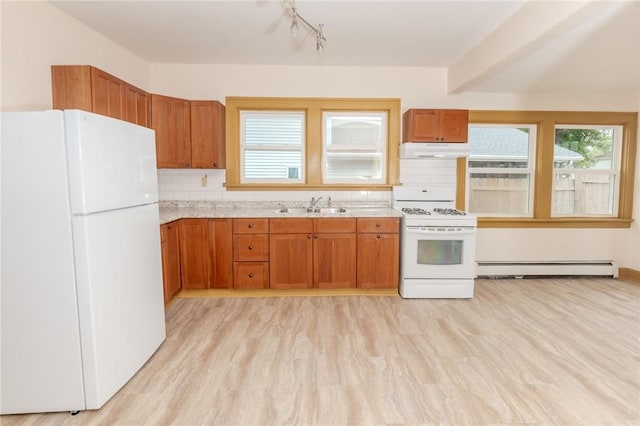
point(294, 29)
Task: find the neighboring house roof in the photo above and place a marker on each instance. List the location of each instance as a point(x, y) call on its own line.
point(508, 143)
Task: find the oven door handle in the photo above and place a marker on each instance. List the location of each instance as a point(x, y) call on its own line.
point(467, 231)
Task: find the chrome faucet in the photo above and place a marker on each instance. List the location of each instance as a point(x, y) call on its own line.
point(314, 201)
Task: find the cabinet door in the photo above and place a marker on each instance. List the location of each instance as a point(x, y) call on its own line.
point(454, 125)
point(107, 94)
point(207, 135)
point(194, 253)
point(378, 260)
point(71, 87)
point(171, 119)
point(334, 260)
point(220, 253)
point(136, 106)
point(291, 261)
point(170, 260)
point(420, 125)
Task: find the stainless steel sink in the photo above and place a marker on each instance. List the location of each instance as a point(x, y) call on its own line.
point(331, 210)
point(325, 210)
point(295, 210)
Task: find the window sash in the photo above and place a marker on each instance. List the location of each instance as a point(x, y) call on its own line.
point(357, 170)
point(267, 126)
point(614, 175)
point(527, 172)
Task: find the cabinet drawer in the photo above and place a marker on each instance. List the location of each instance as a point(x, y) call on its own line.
point(294, 225)
point(382, 225)
point(334, 225)
point(250, 247)
point(251, 226)
point(250, 275)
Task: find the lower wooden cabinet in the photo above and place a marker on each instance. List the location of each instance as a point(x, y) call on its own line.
point(334, 252)
point(280, 253)
point(312, 253)
point(251, 275)
point(220, 253)
point(170, 260)
point(251, 253)
point(378, 252)
point(206, 253)
point(291, 262)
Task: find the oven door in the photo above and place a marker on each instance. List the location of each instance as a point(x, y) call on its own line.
point(439, 252)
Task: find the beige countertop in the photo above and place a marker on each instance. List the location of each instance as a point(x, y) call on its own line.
point(171, 210)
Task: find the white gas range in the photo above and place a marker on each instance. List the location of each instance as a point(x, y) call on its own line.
point(438, 243)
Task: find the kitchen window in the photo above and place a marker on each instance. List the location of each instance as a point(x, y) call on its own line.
point(579, 169)
point(272, 146)
point(501, 169)
point(355, 147)
point(312, 143)
point(586, 185)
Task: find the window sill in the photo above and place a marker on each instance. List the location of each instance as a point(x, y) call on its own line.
point(572, 222)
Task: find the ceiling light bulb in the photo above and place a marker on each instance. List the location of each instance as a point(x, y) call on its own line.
point(320, 39)
point(294, 30)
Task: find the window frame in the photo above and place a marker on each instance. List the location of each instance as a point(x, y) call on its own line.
point(546, 122)
point(313, 152)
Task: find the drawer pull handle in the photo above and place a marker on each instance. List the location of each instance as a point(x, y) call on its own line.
point(250, 225)
point(215, 164)
point(378, 236)
point(315, 236)
point(187, 164)
point(308, 236)
point(250, 247)
point(377, 225)
point(250, 274)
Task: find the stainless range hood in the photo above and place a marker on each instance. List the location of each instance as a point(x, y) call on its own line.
point(434, 150)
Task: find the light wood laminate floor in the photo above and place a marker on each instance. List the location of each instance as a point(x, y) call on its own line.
point(525, 352)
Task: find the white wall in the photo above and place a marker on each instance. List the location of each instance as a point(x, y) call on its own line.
point(36, 35)
point(416, 87)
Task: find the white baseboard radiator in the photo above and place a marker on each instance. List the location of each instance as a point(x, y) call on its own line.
point(556, 268)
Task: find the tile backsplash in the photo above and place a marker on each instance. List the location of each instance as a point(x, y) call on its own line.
point(208, 184)
point(189, 185)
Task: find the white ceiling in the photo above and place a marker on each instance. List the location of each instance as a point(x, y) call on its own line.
point(598, 52)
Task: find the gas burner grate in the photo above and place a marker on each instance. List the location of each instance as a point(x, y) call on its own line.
point(451, 212)
point(415, 210)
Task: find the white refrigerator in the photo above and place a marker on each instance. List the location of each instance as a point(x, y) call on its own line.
point(81, 294)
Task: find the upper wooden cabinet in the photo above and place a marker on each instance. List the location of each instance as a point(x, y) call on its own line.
point(207, 135)
point(136, 106)
point(91, 89)
point(435, 125)
point(189, 134)
point(171, 119)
